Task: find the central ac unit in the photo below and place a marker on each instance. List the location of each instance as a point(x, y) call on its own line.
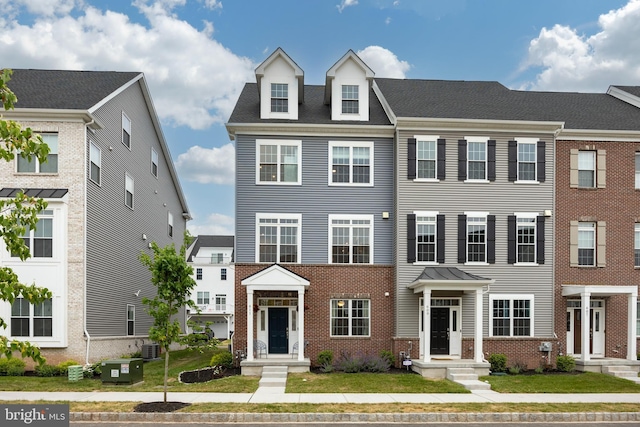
point(150, 351)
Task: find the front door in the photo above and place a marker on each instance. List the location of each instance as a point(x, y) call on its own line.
point(278, 330)
point(439, 330)
point(596, 338)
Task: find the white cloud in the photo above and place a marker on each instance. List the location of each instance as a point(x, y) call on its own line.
point(574, 62)
point(213, 224)
point(40, 7)
point(345, 4)
point(383, 62)
point(208, 165)
point(194, 80)
point(213, 4)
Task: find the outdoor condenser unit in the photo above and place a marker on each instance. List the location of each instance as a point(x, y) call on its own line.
point(150, 351)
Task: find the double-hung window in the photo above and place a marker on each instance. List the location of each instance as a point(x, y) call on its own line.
point(587, 169)
point(126, 130)
point(154, 162)
point(511, 315)
point(278, 239)
point(350, 99)
point(426, 156)
point(40, 240)
point(128, 190)
point(351, 239)
point(350, 163)
point(95, 163)
point(476, 238)
point(279, 98)
point(350, 317)
point(588, 240)
point(34, 166)
point(223, 274)
point(587, 243)
point(425, 237)
point(198, 273)
point(527, 160)
point(131, 319)
point(221, 302)
point(202, 298)
point(279, 162)
point(31, 320)
point(637, 245)
point(170, 224)
point(526, 238)
point(477, 160)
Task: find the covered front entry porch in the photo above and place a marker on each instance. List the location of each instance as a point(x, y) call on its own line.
point(444, 292)
point(275, 320)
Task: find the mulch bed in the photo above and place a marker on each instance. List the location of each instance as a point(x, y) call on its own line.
point(206, 374)
point(160, 406)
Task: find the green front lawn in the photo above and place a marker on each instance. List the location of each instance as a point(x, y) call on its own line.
point(586, 382)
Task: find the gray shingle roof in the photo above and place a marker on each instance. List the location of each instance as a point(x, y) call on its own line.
point(312, 111)
point(493, 101)
point(42, 193)
point(447, 273)
point(61, 89)
point(206, 241)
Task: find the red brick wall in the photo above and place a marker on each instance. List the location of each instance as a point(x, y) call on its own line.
point(325, 281)
point(619, 205)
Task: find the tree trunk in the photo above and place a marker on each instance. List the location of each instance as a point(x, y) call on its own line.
point(166, 371)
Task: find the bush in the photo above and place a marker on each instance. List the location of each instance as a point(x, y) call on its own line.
point(325, 357)
point(349, 363)
point(388, 356)
point(518, 368)
point(47, 371)
point(92, 370)
point(565, 363)
point(498, 362)
point(12, 367)
point(224, 359)
point(63, 367)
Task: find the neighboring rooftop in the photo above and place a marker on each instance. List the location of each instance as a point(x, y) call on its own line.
point(208, 241)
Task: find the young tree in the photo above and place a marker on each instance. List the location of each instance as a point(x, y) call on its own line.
point(17, 215)
point(171, 275)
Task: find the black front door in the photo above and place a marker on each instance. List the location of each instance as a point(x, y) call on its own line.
point(278, 333)
point(439, 330)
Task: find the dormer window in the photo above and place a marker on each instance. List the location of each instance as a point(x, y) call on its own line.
point(279, 98)
point(350, 99)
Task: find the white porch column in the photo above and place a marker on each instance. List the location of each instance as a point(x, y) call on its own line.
point(249, 324)
point(426, 345)
point(301, 333)
point(585, 299)
point(632, 328)
point(477, 344)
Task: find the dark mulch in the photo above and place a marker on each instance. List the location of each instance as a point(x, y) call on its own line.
point(160, 406)
point(206, 374)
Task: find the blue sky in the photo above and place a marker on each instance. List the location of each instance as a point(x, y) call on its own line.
point(197, 55)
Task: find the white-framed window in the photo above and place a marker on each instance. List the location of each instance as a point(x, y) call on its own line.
point(31, 320)
point(350, 99)
point(511, 315)
point(278, 239)
point(527, 159)
point(278, 162)
point(426, 236)
point(351, 239)
point(476, 237)
point(279, 98)
point(526, 235)
point(223, 274)
point(476, 159)
point(170, 223)
point(24, 165)
point(350, 318)
point(586, 169)
point(426, 157)
point(202, 298)
point(95, 163)
point(198, 273)
point(154, 162)
point(350, 163)
point(131, 319)
point(221, 302)
point(587, 243)
point(637, 157)
point(128, 190)
point(40, 240)
point(636, 245)
point(126, 131)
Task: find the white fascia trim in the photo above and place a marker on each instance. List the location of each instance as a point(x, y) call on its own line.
point(385, 104)
point(115, 93)
point(599, 135)
point(306, 129)
point(54, 115)
point(624, 96)
point(480, 125)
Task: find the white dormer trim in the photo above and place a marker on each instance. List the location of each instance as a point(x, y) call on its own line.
point(279, 68)
point(349, 70)
point(623, 95)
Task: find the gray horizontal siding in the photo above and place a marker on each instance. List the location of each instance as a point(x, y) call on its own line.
point(314, 199)
point(114, 232)
point(500, 198)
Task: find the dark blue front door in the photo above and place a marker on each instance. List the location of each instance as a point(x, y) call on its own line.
point(278, 333)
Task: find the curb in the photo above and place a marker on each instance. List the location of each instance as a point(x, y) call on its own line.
point(454, 417)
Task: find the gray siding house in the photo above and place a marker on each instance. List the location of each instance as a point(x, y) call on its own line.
point(116, 192)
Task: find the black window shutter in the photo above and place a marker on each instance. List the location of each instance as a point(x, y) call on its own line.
point(462, 239)
point(540, 239)
point(462, 159)
point(441, 159)
point(440, 239)
point(411, 158)
point(491, 239)
point(511, 239)
point(411, 238)
point(491, 157)
point(541, 161)
point(513, 160)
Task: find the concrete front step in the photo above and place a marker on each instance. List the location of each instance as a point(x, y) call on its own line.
point(622, 371)
point(474, 385)
point(273, 376)
point(467, 377)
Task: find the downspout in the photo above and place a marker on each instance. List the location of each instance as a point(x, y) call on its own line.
point(84, 248)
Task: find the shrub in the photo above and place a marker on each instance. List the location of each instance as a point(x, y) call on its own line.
point(518, 368)
point(63, 367)
point(565, 363)
point(224, 359)
point(325, 357)
point(47, 370)
point(361, 362)
point(498, 362)
point(539, 370)
point(92, 370)
point(12, 367)
point(388, 356)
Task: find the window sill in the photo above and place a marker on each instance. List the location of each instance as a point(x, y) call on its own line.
point(526, 182)
point(349, 184)
point(426, 263)
point(426, 180)
point(477, 181)
point(476, 263)
point(525, 264)
point(37, 173)
point(350, 337)
point(277, 183)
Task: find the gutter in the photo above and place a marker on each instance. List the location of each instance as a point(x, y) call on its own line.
point(84, 249)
